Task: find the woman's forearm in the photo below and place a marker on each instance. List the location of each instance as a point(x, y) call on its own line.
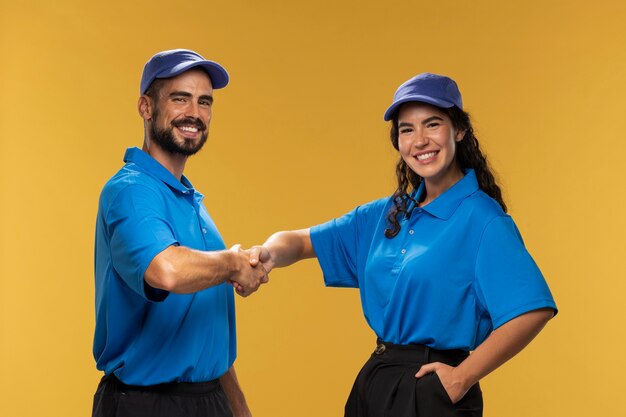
point(283, 249)
point(286, 248)
point(503, 343)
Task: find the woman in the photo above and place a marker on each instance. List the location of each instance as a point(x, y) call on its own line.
point(441, 267)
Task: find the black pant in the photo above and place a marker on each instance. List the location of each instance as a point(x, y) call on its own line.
point(387, 387)
point(115, 399)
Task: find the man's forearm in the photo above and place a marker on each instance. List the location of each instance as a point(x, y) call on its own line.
point(233, 391)
point(183, 270)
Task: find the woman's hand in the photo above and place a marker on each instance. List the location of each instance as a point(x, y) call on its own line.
point(260, 254)
point(238, 284)
point(501, 345)
point(455, 386)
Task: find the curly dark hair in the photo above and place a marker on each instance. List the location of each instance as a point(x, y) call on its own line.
point(468, 155)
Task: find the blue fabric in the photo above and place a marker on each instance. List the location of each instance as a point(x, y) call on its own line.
point(143, 335)
point(457, 269)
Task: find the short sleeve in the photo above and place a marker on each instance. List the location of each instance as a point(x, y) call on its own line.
point(335, 245)
point(508, 282)
point(138, 232)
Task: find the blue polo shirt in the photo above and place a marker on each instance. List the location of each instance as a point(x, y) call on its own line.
point(457, 270)
point(143, 335)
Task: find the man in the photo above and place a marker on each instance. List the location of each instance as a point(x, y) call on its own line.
point(165, 321)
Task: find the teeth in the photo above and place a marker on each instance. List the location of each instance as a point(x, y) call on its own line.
point(188, 129)
point(426, 156)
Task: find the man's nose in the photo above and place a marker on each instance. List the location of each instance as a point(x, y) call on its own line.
point(192, 110)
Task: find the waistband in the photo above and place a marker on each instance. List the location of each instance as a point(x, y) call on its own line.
point(417, 353)
point(189, 388)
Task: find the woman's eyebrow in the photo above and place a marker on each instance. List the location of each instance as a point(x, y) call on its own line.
point(430, 119)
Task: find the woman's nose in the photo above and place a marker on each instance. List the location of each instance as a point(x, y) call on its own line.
point(420, 138)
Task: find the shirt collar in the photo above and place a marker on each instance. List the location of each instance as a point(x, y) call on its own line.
point(446, 204)
point(154, 168)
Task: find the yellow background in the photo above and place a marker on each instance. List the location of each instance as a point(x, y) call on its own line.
point(298, 138)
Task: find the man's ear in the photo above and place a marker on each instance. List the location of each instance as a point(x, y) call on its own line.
point(145, 107)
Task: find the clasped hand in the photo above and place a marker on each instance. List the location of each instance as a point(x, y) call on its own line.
point(253, 266)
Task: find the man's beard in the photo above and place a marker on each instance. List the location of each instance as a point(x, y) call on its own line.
point(167, 141)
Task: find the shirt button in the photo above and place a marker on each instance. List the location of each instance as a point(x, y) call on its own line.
point(403, 251)
point(411, 232)
point(203, 230)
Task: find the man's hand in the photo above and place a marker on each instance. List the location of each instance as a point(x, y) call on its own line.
point(248, 277)
point(280, 250)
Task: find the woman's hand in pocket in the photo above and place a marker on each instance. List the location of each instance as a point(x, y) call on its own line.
point(454, 384)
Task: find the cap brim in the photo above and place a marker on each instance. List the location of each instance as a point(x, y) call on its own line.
point(219, 76)
point(422, 99)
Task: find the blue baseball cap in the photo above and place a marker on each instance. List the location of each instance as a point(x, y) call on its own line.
point(167, 64)
point(434, 89)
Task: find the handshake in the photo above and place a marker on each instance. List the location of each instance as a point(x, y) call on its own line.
point(252, 267)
